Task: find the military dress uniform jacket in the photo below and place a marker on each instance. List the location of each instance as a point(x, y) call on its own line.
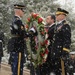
point(17, 43)
point(61, 40)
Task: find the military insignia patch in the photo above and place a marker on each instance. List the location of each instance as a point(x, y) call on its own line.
point(59, 28)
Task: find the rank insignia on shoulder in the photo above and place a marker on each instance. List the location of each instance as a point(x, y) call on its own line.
point(22, 27)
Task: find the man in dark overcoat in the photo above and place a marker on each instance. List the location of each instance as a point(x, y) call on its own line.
point(49, 27)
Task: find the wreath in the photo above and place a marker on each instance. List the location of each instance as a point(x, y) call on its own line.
point(37, 44)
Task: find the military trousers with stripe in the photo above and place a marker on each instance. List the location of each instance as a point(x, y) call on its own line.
point(17, 63)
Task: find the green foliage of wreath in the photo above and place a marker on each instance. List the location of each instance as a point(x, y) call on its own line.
point(37, 54)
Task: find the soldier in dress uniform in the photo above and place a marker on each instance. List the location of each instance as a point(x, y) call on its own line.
point(61, 42)
point(50, 25)
point(70, 66)
point(1, 45)
point(17, 44)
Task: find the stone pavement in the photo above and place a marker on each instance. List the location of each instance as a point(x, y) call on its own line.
point(6, 70)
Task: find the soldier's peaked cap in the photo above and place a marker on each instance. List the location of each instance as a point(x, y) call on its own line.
point(61, 11)
point(19, 6)
point(73, 52)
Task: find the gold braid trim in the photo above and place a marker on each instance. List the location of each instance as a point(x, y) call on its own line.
point(65, 49)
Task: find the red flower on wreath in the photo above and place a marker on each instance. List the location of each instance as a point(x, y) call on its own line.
point(28, 19)
point(42, 33)
point(34, 15)
point(46, 42)
point(26, 26)
point(42, 54)
point(46, 51)
point(40, 20)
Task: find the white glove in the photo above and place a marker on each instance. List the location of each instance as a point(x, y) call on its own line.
point(32, 29)
point(73, 73)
